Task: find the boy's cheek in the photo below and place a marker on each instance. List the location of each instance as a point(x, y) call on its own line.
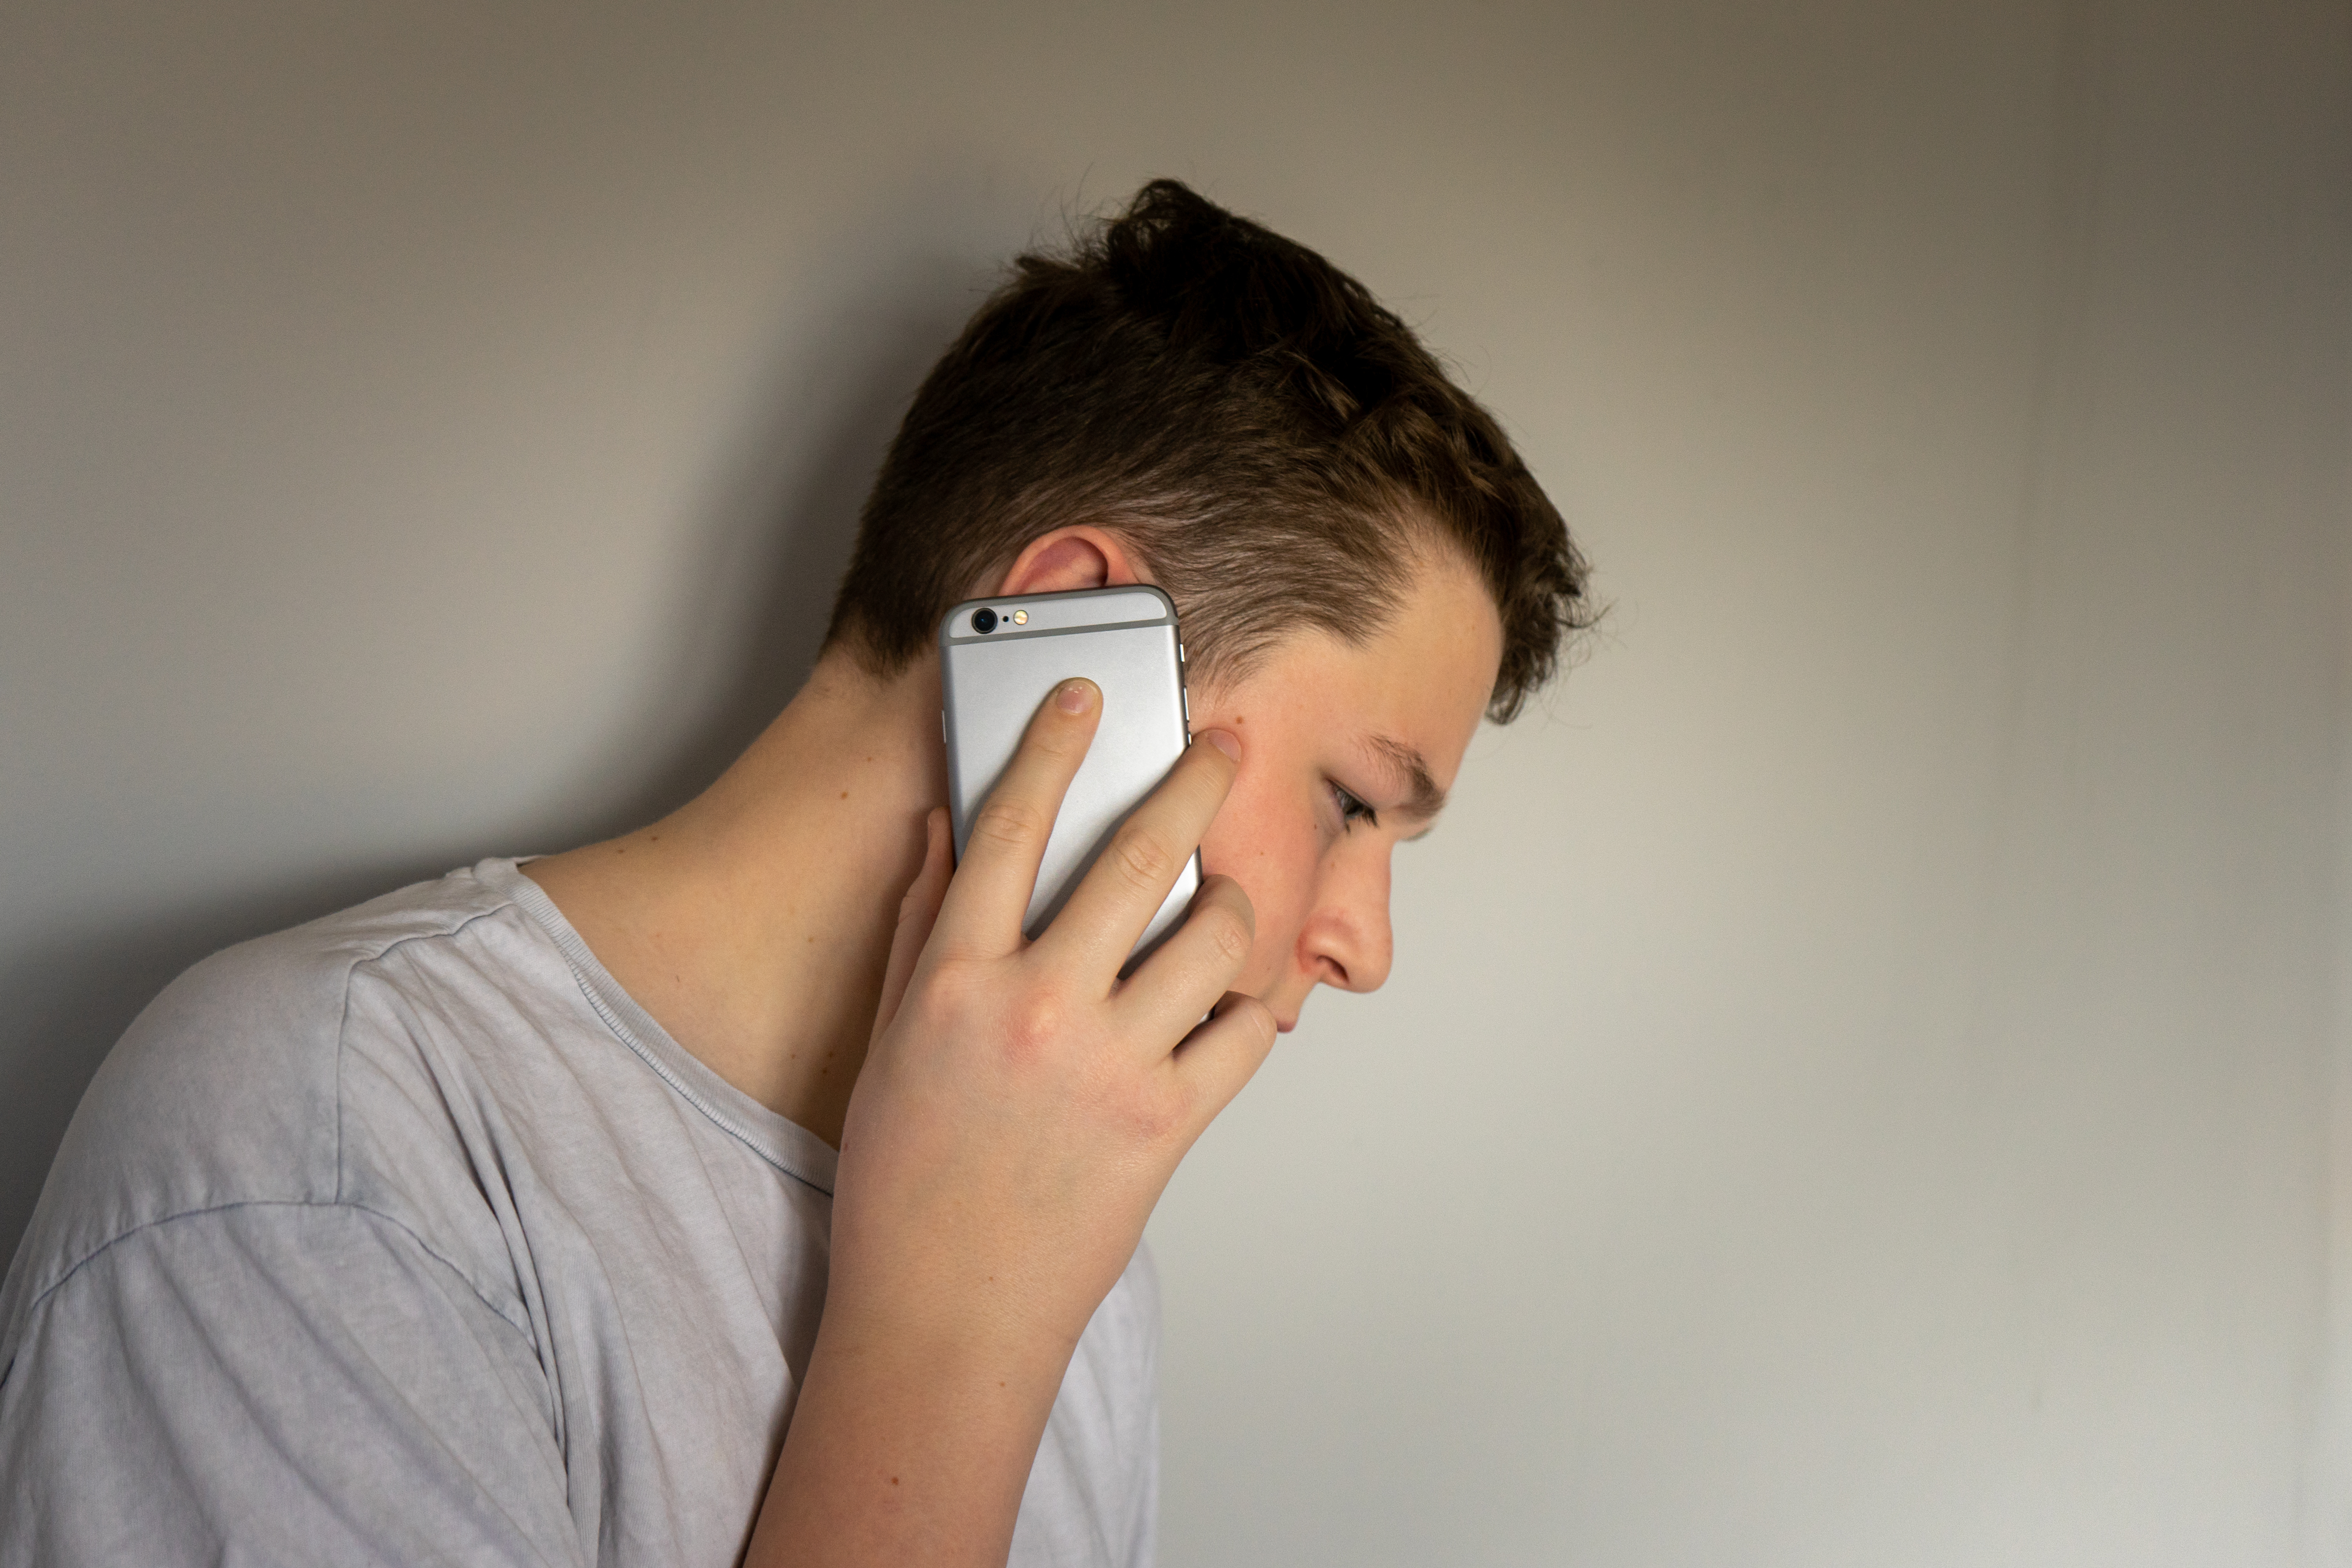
point(1277, 893)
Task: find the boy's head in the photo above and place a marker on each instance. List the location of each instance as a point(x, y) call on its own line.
point(1362, 564)
point(1273, 446)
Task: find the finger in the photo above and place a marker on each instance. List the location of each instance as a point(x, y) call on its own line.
point(917, 912)
point(1220, 1055)
point(1187, 974)
point(1130, 879)
point(990, 892)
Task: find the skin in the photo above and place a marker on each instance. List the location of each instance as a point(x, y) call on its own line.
point(1333, 733)
point(1008, 1112)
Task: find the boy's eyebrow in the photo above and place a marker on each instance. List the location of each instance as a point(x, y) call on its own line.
point(1423, 797)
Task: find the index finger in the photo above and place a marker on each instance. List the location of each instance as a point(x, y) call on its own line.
point(988, 896)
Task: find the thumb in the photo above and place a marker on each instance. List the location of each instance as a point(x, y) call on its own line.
point(917, 912)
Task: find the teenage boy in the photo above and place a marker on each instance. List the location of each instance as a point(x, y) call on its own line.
point(747, 1187)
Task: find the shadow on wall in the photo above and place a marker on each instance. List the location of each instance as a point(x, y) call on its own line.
point(860, 376)
point(71, 998)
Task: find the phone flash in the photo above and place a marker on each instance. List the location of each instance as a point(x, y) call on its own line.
point(1020, 618)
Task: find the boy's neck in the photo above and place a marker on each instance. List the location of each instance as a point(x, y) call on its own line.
point(754, 924)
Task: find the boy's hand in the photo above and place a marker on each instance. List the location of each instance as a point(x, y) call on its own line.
point(1017, 1095)
point(1019, 1111)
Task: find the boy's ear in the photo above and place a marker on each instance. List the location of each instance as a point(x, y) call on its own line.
point(1070, 558)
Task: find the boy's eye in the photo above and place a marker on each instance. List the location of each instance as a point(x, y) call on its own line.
point(1351, 810)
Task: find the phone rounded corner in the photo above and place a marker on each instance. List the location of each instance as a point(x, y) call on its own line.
point(946, 637)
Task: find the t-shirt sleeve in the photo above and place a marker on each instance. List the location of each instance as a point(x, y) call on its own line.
point(277, 1382)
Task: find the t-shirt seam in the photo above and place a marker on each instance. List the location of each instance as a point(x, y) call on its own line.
point(357, 955)
point(684, 1090)
point(360, 960)
point(342, 1049)
point(427, 1247)
point(628, 1038)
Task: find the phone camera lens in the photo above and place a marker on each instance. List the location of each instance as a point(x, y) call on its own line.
point(984, 620)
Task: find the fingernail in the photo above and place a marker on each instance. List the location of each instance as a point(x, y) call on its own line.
point(1224, 743)
point(1071, 697)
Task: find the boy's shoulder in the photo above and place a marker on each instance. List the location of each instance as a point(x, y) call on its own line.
point(226, 1089)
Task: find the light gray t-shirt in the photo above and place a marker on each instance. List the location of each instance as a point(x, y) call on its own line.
point(405, 1237)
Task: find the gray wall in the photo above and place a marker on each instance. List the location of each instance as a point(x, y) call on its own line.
point(1856, 1086)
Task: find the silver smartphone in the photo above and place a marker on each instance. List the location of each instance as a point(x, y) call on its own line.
point(1000, 659)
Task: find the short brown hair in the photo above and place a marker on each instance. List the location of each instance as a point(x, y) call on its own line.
point(1276, 447)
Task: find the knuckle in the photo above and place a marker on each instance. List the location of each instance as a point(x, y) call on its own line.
point(1008, 824)
point(945, 991)
point(1256, 1019)
point(1230, 931)
point(1034, 1021)
point(1218, 887)
point(931, 1009)
point(1143, 857)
